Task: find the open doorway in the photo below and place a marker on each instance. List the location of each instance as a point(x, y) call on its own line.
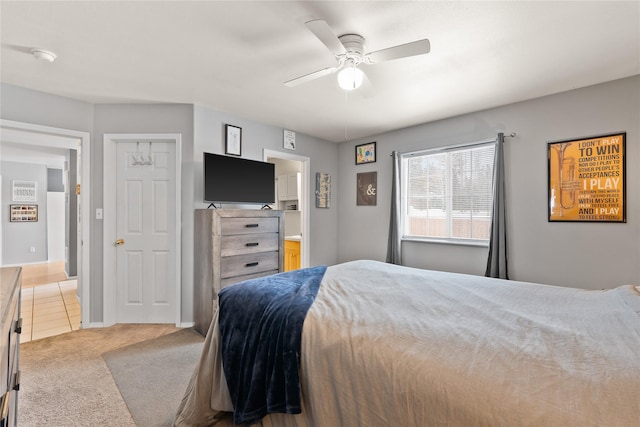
point(292, 181)
point(50, 238)
point(75, 145)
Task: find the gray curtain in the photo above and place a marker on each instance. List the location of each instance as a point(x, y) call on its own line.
point(394, 255)
point(497, 260)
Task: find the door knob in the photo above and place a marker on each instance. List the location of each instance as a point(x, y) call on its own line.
point(119, 242)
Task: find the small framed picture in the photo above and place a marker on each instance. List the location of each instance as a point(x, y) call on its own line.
point(23, 213)
point(289, 140)
point(233, 140)
point(366, 189)
point(323, 190)
point(24, 191)
point(365, 153)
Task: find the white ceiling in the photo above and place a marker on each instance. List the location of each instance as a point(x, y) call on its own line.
point(235, 56)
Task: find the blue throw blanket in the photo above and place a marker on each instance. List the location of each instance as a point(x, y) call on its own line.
point(261, 330)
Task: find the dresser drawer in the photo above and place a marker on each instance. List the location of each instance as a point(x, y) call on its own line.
point(241, 225)
point(248, 243)
point(237, 279)
point(240, 265)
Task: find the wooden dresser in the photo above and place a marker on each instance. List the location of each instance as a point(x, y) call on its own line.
point(232, 245)
point(10, 289)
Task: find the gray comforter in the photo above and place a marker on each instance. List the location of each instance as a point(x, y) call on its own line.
point(384, 345)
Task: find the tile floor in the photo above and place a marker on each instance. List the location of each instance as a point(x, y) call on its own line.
point(49, 309)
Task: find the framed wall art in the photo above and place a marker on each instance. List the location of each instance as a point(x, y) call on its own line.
point(23, 213)
point(587, 179)
point(233, 140)
point(24, 191)
point(365, 153)
point(323, 190)
point(289, 139)
point(367, 189)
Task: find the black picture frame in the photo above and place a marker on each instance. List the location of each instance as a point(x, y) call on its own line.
point(365, 153)
point(367, 189)
point(233, 140)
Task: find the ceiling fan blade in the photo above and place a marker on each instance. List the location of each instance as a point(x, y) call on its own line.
point(326, 35)
point(419, 47)
point(311, 76)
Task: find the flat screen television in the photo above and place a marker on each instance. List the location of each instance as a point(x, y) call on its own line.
point(236, 180)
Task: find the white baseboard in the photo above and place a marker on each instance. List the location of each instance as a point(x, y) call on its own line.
point(93, 325)
point(101, 325)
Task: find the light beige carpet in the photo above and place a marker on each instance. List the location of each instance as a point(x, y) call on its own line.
point(65, 380)
point(153, 375)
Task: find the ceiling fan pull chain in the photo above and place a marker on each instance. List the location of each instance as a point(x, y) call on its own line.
point(346, 118)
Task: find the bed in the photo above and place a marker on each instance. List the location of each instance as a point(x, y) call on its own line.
point(385, 345)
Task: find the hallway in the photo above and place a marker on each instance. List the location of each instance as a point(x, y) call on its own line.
point(49, 302)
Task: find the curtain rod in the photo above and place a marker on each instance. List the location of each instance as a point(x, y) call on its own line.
point(453, 147)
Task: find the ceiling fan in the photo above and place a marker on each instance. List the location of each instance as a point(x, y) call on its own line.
point(349, 52)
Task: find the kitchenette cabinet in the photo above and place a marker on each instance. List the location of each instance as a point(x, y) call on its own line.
point(291, 254)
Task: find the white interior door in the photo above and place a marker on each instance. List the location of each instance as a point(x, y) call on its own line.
point(146, 232)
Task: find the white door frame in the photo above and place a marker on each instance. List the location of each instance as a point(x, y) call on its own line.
point(110, 202)
point(305, 202)
point(28, 133)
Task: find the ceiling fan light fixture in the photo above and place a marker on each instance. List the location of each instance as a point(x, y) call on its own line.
point(350, 78)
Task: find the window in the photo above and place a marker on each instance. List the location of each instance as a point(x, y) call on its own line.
point(447, 194)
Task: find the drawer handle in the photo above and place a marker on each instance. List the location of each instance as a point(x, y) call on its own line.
point(251, 264)
point(252, 225)
point(16, 381)
point(18, 329)
point(252, 244)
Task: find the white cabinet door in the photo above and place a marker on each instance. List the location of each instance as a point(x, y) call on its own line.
point(292, 186)
point(283, 187)
point(288, 186)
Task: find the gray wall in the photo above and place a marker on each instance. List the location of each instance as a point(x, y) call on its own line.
point(583, 255)
point(30, 106)
point(54, 180)
point(209, 137)
point(19, 237)
point(201, 130)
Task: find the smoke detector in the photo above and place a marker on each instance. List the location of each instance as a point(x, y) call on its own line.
point(45, 55)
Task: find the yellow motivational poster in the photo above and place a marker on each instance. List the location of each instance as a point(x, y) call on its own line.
point(587, 179)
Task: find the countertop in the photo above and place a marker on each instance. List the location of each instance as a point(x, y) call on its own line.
point(8, 287)
point(9, 293)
